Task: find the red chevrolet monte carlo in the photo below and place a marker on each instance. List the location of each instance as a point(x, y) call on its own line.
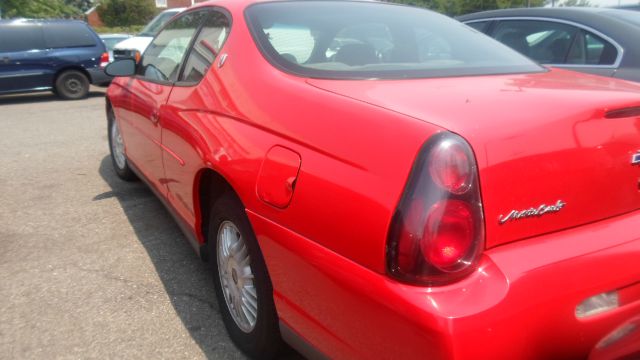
point(375, 181)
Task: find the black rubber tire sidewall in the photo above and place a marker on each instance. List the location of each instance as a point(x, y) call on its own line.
point(61, 85)
point(124, 173)
point(264, 341)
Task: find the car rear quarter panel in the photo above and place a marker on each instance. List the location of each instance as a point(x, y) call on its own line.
point(355, 158)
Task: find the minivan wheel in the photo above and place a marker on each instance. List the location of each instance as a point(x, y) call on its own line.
point(72, 85)
point(243, 287)
point(116, 147)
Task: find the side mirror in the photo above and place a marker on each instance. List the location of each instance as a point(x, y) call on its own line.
point(125, 67)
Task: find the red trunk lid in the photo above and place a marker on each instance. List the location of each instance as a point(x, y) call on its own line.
point(547, 151)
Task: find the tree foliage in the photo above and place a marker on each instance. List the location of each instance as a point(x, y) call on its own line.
point(38, 9)
point(126, 12)
point(461, 7)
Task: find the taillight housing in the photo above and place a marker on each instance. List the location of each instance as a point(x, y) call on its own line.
point(104, 60)
point(437, 232)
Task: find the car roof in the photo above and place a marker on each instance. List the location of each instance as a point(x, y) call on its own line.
point(38, 21)
point(577, 14)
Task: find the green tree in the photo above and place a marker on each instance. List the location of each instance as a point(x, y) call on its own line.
point(37, 9)
point(126, 12)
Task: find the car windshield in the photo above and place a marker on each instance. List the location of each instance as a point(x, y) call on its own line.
point(346, 40)
point(157, 23)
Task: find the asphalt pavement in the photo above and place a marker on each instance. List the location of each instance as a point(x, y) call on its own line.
point(91, 266)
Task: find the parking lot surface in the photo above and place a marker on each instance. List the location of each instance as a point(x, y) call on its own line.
point(90, 266)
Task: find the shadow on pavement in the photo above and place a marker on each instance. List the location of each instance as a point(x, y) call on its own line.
point(41, 97)
point(186, 279)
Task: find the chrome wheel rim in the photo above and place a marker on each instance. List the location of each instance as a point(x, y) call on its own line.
point(236, 277)
point(117, 146)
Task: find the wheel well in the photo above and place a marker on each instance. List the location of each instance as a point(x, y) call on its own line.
point(78, 68)
point(211, 186)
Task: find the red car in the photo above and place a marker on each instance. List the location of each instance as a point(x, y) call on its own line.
point(376, 181)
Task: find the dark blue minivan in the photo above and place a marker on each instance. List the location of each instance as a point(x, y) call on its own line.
point(63, 56)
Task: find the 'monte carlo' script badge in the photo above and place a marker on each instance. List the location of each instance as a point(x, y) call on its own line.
point(531, 212)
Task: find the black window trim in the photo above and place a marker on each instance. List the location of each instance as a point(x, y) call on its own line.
point(222, 11)
point(189, 47)
point(619, 48)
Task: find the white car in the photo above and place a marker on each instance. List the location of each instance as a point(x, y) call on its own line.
point(138, 44)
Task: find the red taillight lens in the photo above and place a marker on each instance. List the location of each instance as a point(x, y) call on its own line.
point(437, 234)
point(450, 167)
point(448, 235)
point(104, 60)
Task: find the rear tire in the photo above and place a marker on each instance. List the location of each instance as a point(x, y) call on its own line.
point(72, 85)
point(116, 148)
point(243, 287)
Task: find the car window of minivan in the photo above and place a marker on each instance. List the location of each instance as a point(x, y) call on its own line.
point(21, 37)
point(63, 35)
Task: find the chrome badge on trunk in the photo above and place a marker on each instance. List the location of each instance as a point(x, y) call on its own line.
point(543, 209)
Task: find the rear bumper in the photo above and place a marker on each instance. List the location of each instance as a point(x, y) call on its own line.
point(520, 304)
point(99, 77)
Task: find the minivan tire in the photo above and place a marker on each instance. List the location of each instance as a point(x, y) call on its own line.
point(72, 85)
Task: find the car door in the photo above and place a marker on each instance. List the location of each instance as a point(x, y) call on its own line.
point(22, 58)
point(148, 92)
point(560, 44)
point(189, 98)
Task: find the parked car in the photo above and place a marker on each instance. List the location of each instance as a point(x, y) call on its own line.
point(138, 44)
point(599, 41)
point(376, 181)
point(111, 40)
point(64, 56)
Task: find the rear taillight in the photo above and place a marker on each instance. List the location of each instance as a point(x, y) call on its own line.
point(104, 60)
point(437, 233)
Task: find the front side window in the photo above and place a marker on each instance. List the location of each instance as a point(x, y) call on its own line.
point(157, 23)
point(162, 59)
point(207, 46)
point(348, 39)
point(21, 37)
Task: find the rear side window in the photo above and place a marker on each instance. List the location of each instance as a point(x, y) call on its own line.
point(556, 43)
point(479, 25)
point(62, 35)
point(594, 50)
point(21, 38)
point(205, 49)
point(544, 41)
point(374, 40)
